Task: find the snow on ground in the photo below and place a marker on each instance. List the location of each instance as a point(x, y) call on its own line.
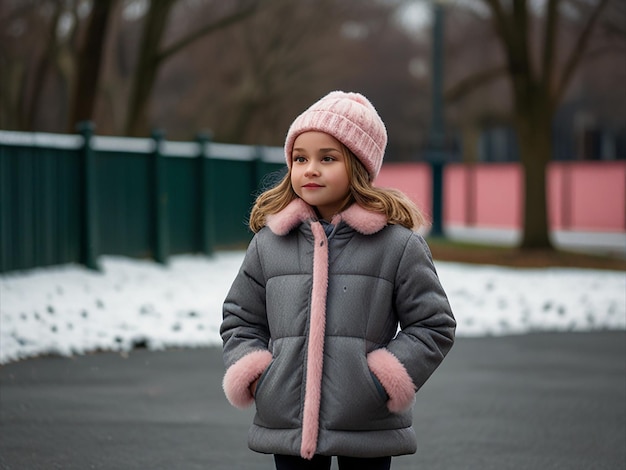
point(70, 310)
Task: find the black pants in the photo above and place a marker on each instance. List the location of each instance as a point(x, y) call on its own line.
point(322, 462)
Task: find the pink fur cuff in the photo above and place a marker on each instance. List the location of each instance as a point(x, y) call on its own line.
point(240, 376)
point(394, 378)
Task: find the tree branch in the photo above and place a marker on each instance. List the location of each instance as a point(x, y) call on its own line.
point(511, 27)
point(207, 29)
point(500, 21)
point(471, 83)
point(520, 22)
point(550, 39)
point(578, 51)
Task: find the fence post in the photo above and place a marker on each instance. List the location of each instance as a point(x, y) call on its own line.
point(205, 207)
point(437, 166)
point(88, 238)
point(159, 198)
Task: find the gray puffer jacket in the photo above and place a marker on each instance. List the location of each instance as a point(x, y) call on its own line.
point(313, 322)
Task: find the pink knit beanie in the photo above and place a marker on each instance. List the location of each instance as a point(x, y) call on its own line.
point(352, 120)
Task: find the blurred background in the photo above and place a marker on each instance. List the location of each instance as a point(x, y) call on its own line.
point(132, 131)
point(536, 84)
point(244, 69)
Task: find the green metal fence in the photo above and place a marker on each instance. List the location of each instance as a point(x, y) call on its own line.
point(72, 198)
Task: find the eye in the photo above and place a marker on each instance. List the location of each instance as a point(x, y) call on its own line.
point(328, 158)
point(299, 159)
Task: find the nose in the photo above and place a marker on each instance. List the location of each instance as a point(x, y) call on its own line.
point(311, 169)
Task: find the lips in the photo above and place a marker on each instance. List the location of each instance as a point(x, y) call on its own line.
point(312, 185)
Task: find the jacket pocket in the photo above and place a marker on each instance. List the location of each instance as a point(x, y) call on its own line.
point(278, 393)
point(259, 383)
point(379, 387)
point(395, 379)
point(353, 399)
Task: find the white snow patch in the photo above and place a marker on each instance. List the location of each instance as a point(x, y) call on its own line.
point(71, 310)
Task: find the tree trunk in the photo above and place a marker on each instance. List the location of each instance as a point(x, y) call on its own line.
point(151, 57)
point(147, 68)
point(41, 72)
point(85, 92)
point(535, 151)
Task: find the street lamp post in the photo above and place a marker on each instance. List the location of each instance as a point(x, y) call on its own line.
point(436, 142)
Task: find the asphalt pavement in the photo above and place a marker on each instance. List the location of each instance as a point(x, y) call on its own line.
point(537, 401)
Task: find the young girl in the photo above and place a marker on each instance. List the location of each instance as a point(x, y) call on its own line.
point(310, 326)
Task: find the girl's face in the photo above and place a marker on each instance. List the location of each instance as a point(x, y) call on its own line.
point(318, 172)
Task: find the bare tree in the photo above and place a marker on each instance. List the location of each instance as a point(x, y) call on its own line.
point(285, 51)
point(90, 64)
point(539, 80)
point(290, 54)
point(15, 60)
point(38, 62)
point(152, 55)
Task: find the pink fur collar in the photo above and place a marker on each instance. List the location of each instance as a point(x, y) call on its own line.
point(298, 211)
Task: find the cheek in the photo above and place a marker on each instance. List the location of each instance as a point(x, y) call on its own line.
point(294, 182)
point(293, 177)
point(341, 180)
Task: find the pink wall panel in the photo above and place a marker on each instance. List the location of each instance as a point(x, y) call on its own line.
point(581, 195)
point(598, 195)
point(498, 195)
point(456, 203)
point(414, 179)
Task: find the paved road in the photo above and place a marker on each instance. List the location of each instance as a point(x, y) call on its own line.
point(540, 401)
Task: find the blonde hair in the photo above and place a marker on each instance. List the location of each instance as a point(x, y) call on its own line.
point(398, 208)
